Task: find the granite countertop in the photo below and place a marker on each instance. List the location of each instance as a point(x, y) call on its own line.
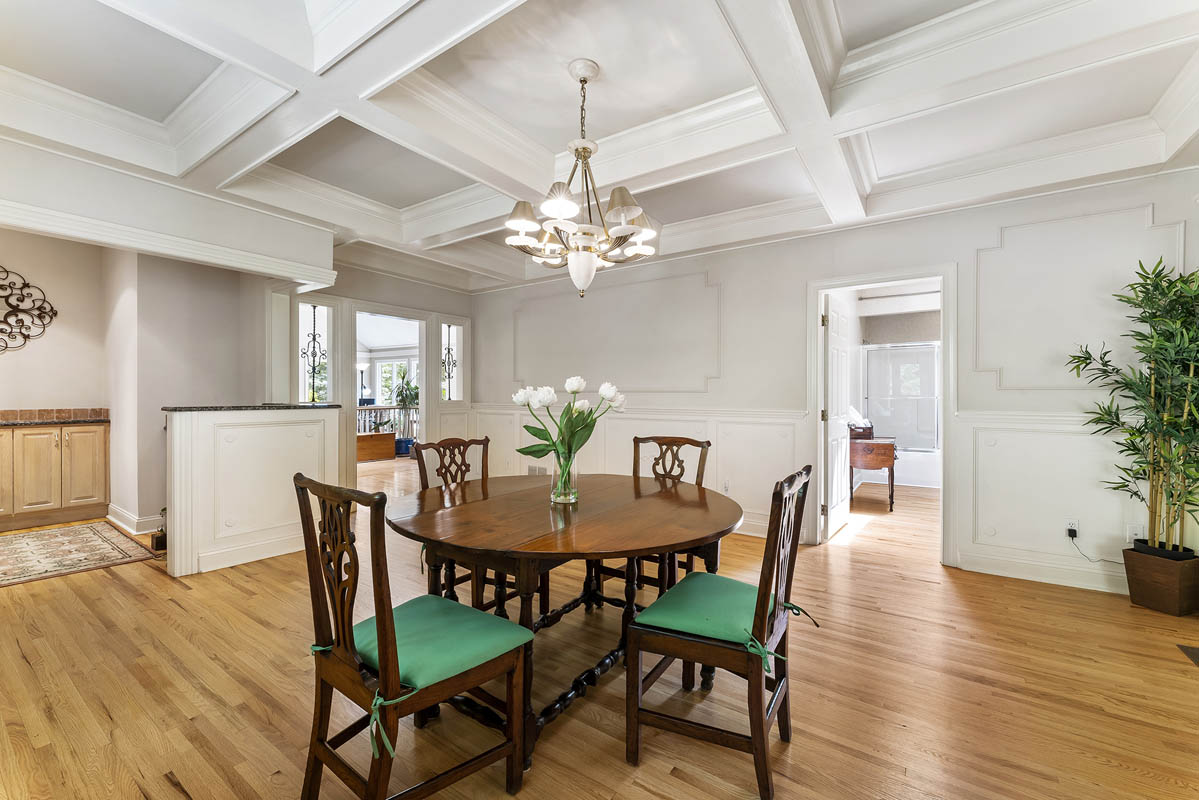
point(46, 423)
point(260, 407)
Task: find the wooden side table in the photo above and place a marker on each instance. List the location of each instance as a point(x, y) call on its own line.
point(874, 454)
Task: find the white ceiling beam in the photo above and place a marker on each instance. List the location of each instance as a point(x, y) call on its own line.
point(762, 222)
point(418, 35)
point(375, 258)
point(368, 219)
point(780, 57)
point(991, 47)
point(1075, 157)
point(1177, 112)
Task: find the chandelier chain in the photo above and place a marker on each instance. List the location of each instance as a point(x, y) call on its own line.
point(583, 108)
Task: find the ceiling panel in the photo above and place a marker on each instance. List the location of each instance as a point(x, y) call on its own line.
point(654, 61)
point(349, 157)
point(779, 177)
point(1117, 91)
point(379, 331)
point(96, 51)
point(866, 21)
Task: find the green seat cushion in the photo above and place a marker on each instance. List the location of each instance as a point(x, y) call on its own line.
point(704, 604)
point(438, 639)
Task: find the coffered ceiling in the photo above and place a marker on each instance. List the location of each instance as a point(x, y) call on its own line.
point(408, 127)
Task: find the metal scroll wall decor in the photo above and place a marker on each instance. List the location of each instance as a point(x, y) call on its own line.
point(25, 312)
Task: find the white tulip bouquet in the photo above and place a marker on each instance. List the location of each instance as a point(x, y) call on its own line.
point(571, 429)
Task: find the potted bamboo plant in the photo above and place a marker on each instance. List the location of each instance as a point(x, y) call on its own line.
point(1151, 410)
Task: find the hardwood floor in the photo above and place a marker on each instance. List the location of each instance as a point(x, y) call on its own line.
point(396, 476)
point(921, 682)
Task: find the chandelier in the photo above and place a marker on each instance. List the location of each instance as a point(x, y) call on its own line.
point(583, 238)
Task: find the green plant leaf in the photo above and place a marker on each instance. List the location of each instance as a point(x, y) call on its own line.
point(536, 450)
point(539, 433)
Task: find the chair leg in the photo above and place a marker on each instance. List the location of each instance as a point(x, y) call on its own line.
point(451, 578)
point(501, 594)
point(690, 563)
point(516, 724)
point(320, 732)
point(543, 593)
point(663, 576)
point(380, 771)
point(478, 582)
point(688, 676)
point(784, 714)
point(632, 699)
point(758, 730)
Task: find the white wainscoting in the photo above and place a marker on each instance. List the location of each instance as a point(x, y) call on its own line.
point(1029, 474)
point(230, 493)
point(750, 449)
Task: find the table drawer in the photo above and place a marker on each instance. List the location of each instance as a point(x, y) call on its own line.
point(871, 455)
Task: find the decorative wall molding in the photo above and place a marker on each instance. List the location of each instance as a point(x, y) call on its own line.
point(671, 318)
point(983, 297)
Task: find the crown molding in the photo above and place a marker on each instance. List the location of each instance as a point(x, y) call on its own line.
point(743, 224)
point(1177, 111)
point(946, 32)
point(424, 100)
point(996, 46)
point(427, 223)
point(719, 125)
point(1024, 170)
point(228, 101)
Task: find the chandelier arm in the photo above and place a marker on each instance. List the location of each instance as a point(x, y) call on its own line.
point(586, 195)
point(598, 207)
point(619, 241)
point(574, 168)
point(561, 238)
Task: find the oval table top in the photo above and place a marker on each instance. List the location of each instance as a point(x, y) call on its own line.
point(616, 517)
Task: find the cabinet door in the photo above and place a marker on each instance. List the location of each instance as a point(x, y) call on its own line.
point(84, 465)
point(5, 472)
point(37, 469)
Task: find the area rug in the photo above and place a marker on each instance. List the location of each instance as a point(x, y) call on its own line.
point(47, 553)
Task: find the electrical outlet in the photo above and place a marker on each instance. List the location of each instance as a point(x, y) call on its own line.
point(1072, 525)
point(726, 487)
point(1133, 530)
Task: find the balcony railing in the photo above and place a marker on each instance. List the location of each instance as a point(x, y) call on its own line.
point(389, 419)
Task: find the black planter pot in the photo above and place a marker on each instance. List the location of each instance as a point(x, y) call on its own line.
point(1172, 553)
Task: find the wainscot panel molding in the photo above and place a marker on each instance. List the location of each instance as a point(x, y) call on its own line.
point(752, 448)
point(230, 498)
point(683, 355)
point(1023, 271)
point(1029, 473)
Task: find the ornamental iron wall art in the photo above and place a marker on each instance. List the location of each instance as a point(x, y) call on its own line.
point(24, 311)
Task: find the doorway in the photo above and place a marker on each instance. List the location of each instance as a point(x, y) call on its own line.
point(881, 423)
point(388, 371)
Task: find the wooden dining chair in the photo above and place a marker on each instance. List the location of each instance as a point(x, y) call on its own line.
point(453, 466)
point(725, 623)
point(668, 464)
point(400, 661)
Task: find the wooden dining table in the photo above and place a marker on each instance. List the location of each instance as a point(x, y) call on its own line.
point(508, 525)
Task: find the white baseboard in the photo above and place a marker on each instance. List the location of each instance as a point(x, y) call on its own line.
point(131, 522)
point(1102, 580)
point(241, 554)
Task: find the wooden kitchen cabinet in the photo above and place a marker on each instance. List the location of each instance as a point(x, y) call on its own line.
point(84, 465)
point(6, 472)
point(37, 469)
point(52, 473)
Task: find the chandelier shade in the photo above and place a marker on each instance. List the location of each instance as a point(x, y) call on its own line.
point(578, 233)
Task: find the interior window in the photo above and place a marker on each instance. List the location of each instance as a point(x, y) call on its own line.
point(314, 353)
point(451, 355)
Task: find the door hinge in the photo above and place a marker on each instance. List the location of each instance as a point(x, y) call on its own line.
point(823, 415)
point(824, 320)
point(823, 510)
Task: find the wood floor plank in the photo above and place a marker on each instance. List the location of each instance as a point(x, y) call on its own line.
point(922, 682)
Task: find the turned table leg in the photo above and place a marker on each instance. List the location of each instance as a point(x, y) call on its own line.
point(707, 674)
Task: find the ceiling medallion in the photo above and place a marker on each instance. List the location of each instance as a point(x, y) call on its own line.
point(24, 311)
point(598, 238)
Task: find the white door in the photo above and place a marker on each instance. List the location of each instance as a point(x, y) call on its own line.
point(837, 347)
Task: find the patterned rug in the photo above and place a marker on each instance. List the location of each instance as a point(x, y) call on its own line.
point(46, 553)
